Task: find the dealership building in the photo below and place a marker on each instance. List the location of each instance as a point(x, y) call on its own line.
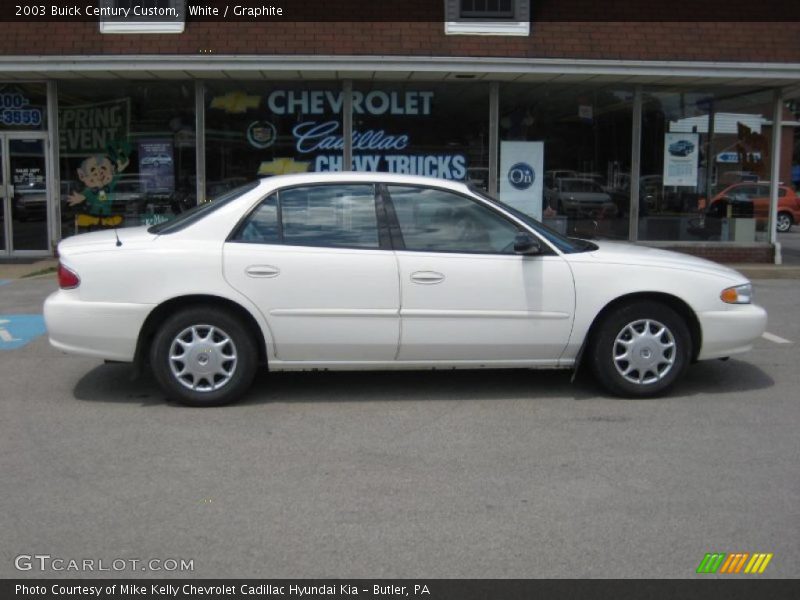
point(672, 132)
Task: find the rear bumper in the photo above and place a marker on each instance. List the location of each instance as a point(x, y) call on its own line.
point(107, 330)
point(730, 332)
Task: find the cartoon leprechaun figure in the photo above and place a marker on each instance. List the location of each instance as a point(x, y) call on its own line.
point(100, 174)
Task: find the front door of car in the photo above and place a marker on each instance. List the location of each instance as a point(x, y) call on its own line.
point(313, 260)
point(466, 295)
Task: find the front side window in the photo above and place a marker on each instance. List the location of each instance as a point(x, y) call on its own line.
point(332, 216)
point(435, 220)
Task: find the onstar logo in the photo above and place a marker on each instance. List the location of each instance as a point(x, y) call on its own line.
point(720, 562)
point(521, 176)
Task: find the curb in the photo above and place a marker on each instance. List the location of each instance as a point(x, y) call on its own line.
point(17, 270)
point(761, 271)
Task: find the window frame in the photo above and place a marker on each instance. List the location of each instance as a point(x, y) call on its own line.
point(518, 25)
point(145, 27)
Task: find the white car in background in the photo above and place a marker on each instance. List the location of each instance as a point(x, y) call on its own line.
point(381, 271)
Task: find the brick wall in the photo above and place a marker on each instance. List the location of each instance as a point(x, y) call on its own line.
point(706, 41)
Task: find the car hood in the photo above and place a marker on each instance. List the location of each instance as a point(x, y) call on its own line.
point(632, 254)
point(98, 241)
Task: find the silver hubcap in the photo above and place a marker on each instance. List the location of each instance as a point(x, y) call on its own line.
point(784, 223)
point(202, 358)
point(644, 352)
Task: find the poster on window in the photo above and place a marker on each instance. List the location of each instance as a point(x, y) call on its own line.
point(681, 157)
point(156, 165)
point(521, 170)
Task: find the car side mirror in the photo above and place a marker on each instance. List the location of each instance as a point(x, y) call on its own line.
point(526, 244)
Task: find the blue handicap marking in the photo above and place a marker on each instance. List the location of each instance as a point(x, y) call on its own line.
point(17, 331)
point(4, 281)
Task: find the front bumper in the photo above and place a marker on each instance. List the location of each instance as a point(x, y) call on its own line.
point(107, 330)
point(732, 331)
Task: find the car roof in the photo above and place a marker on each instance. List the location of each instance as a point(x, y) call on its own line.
point(278, 181)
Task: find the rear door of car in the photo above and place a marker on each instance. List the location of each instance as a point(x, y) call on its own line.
point(317, 261)
point(466, 296)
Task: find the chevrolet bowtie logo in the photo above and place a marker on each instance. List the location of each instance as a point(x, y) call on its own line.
point(235, 102)
point(720, 562)
point(283, 166)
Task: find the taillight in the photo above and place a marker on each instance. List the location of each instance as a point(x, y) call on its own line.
point(67, 279)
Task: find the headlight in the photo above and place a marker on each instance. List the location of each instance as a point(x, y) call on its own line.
point(740, 294)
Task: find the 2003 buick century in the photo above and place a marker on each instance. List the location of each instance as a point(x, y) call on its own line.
point(382, 271)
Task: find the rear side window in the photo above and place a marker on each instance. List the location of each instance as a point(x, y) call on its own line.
point(261, 226)
point(332, 216)
point(329, 216)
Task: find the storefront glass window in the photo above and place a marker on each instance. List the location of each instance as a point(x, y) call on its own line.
point(416, 128)
point(127, 153)
point(258, 129)
point(565, 156)
point(706, 165)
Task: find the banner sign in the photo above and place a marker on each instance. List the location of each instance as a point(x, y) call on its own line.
point(681, 157)
point(521, 170)
point(90, 128)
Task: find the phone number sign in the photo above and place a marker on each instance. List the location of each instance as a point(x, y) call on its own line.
point(16, 112)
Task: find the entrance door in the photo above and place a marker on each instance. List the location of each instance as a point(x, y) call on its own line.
point(24, 214)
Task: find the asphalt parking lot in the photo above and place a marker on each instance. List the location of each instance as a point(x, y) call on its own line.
point(420, 474)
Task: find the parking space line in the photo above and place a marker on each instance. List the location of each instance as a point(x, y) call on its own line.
point(775, 338)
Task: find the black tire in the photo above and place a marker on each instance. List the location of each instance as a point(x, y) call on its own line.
point(214, 357)
point(785, 222)
point(652, 350)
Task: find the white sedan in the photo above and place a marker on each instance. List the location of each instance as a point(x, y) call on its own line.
point(382, 271)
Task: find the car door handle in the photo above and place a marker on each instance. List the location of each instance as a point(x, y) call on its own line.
point(427, 277)
point(262, 271)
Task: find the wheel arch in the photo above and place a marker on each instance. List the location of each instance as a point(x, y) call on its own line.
point(677, 304)
point(163, 311)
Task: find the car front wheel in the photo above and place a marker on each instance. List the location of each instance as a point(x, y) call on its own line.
point(784, 223)
point(640, 349)
point(203, 357)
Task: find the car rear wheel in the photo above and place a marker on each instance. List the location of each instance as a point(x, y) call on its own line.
point(784, 222)
point(203, 357)
point(640, 349)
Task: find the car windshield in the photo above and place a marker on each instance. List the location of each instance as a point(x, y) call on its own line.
point(564, 244)
point(200, 211)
